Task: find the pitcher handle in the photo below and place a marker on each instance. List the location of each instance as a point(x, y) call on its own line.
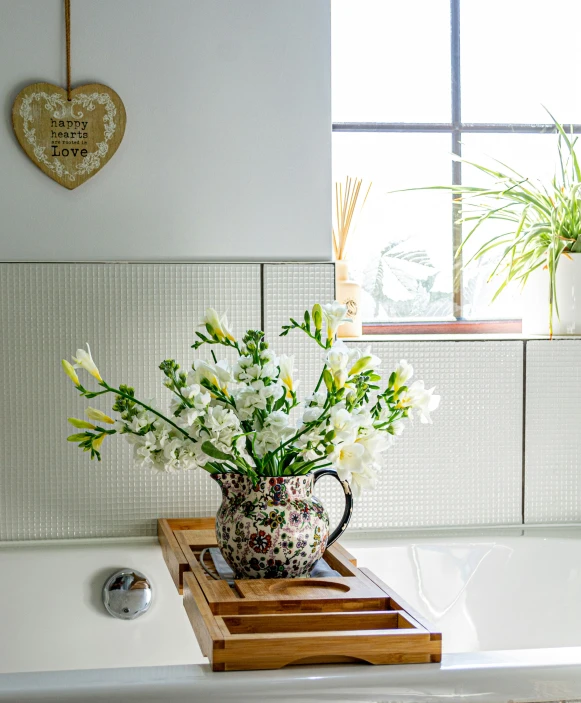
point(338, 531)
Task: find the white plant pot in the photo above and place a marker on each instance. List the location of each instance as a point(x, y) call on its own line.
point(536, 300)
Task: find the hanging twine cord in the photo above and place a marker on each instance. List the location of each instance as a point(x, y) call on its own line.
point(68, 45)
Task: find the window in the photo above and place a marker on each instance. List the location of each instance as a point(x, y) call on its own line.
point(413, 83)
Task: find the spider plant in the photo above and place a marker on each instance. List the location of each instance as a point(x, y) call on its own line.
point(543, 219)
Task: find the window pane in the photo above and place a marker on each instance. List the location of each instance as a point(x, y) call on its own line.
point(391, 60)
point(401, 249)
point(518, 55)
point(532, 155)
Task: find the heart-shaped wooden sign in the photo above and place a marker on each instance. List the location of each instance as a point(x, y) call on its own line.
point(70, 140)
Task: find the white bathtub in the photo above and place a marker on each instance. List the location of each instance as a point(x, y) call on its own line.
point(508, 604)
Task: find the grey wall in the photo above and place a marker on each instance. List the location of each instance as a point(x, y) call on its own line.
point(227, 149)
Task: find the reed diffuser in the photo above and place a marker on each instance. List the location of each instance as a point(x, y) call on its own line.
point(349, 202)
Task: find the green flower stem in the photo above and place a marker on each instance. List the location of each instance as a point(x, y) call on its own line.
point(116, 391)
point(320, 378)
point(324, 345)
point(308, 426)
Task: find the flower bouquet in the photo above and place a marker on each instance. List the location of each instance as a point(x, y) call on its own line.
point(236, 423)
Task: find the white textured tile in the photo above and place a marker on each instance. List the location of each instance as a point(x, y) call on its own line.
point(465, 468)
point(553, 439)
point(134, 316)
point(289, 290)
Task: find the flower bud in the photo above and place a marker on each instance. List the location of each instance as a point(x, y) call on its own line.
point(81, 424)
point(99, 416)
point(317, 316)
point(70, 372)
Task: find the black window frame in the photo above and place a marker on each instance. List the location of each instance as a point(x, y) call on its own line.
point(455, 128)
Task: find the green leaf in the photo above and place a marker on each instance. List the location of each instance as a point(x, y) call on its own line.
point(209, 449)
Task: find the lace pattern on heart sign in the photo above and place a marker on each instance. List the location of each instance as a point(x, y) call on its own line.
point(69, 140)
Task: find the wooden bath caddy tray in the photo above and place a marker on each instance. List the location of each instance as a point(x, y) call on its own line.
point(272, 623)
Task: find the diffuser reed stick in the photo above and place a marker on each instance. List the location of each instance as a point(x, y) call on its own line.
point(348, 207)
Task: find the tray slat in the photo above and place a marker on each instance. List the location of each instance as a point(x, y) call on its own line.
point(272, 623)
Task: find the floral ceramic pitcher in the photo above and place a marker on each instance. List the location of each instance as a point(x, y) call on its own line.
point(275, 528)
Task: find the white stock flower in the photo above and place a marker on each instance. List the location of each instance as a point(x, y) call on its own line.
point(219, 419)
point(255, 397)
point(312, 414)
point(248, 372)
point(84, 360)
point(274, 433)
point(197, 398)
point(334, 314)
point(141, 420)
point(268, 355)
point(188, 416)
point(308, 444)
point(317, 399)
point(277, 420)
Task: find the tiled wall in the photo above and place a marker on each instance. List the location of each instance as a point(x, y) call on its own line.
point(465, 469)
point(134, 316)
point(553, 434)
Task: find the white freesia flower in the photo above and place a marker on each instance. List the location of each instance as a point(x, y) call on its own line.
point(84, 360)
point(338, 357)
point(362, 417)
point(218, 324)
point(343, 424)
point(397, 428)
point(287, 370)
point(347, 458)
point(417, 397)
point(334, 314)
point(374, 443)
point(243, 411)
point(363, 480)
point(365, 361)
point(218, 375)
point(402, 373)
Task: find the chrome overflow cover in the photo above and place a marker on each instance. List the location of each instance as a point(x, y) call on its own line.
point(127, 594)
